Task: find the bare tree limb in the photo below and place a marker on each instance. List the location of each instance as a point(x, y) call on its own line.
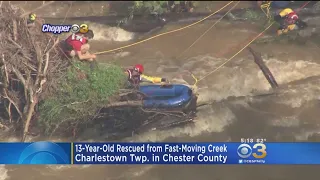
point(2, 126)
point(29, 62)
point(20, 76)
point(125, 103)
point(15, 43)
point(29, 65)
point(9, 111)
point(5, 71)
point(15, 30)
point(12, 102)
point(39, 60)
point(47, 56)
point(46, 64)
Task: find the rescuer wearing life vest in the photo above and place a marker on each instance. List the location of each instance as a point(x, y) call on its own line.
point(288, 20)
point(77, 44)
point(135, 76)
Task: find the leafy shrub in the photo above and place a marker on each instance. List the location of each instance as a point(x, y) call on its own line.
point(158, 7)
point(81, 94)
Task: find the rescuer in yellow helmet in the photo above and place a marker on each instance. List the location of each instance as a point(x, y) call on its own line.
point(288, 20)
point(31, 20)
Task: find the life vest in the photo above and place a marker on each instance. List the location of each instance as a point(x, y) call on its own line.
point(76, 37)
point(289, 16)
point(68, 45)
point(133, 77)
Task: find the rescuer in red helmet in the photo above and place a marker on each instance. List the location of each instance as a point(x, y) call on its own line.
point(288, 20)
point(135, 76)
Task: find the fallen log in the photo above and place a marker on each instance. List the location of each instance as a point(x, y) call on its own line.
point(263, 67)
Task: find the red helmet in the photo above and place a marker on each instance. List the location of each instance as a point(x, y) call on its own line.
point(293, 16)
point(139, 68)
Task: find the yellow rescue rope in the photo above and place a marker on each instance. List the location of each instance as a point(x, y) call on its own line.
point(208, 30)
point(233, 55)
point(265, 7)
point(165, 33)
point(243, 47)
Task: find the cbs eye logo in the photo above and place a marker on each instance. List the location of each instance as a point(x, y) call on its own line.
point(43, 153)
point(245, 151)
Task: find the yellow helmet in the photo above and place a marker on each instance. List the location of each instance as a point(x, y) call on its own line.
point(32, 16)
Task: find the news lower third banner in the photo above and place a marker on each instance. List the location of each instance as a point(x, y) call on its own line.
point(159, 153)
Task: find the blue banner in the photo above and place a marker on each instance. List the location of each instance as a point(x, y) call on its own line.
point(35, 153)
point(159, 153)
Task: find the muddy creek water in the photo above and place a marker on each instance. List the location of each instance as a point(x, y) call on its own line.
point(291, 114)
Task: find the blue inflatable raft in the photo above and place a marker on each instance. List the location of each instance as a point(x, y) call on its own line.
point(167, 96)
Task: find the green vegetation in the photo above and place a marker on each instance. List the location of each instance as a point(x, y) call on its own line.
point(149, 7)
point(158, 7)
point(81, 94)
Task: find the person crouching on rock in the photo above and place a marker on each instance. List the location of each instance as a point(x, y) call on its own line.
point(288, 20)
point(77, 45)
point(135, 76)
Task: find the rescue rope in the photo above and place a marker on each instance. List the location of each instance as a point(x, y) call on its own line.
point(266, 6)
point(234, 54)
point(165, 33)
point(208, 30)
point(197, 80)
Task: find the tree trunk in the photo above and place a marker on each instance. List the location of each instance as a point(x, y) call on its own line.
point(28, 119)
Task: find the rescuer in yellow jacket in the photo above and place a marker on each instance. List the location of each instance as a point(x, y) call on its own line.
point(288, 20)
point(135, 76)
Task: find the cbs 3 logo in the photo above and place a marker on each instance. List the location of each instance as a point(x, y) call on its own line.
point(83, 28)
point(245, 151)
